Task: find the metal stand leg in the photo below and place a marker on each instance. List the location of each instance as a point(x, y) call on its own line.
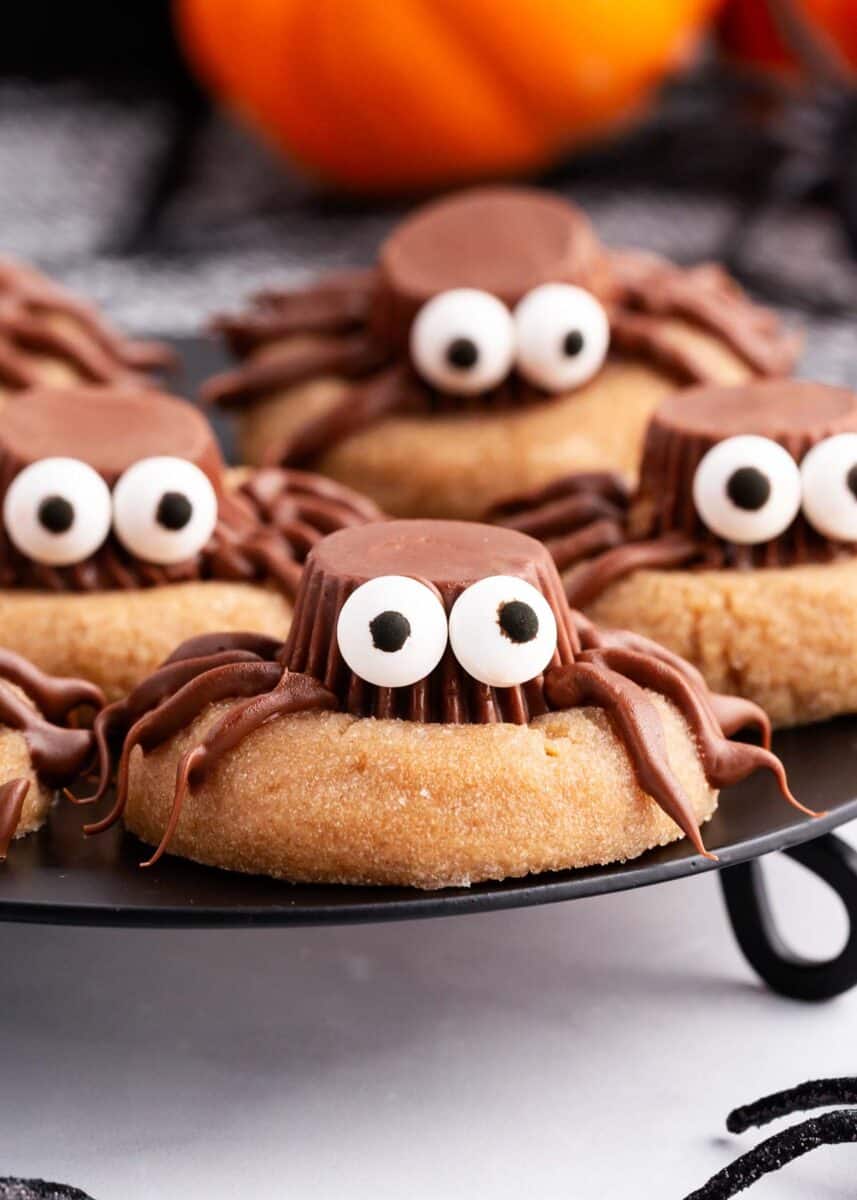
point(754, 926)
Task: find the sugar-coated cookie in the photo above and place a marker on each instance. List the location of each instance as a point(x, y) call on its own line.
point(121, 532)
point(496, 345)
point(737, 550)
point(438, 715)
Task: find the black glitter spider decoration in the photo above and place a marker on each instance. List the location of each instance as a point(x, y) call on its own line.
point(829, 1129)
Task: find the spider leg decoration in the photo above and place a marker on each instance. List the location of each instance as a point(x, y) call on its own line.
point(583, 521)
point(37, 316)
point(335, 313)
point(613, 668)
point(363, 405)
point(58, 753)
point(199, 673)
point(829, 1129)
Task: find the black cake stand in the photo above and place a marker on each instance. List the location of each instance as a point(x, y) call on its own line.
point(58, 876)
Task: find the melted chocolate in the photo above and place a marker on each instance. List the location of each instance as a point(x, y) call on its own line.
point(652, 289)
point(502, 240)
point(58, 753)
point(39, 318)
point(307, 673)
point(266, 526)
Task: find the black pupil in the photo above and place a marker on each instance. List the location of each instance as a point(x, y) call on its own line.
point(390, 630)
point(851, 480)
point(462, 353)
point(518, 621)
point(572, 343)
point(174, 510)
point(56, 514)
point(748, 488)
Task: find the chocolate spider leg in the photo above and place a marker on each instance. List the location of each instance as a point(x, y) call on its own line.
point(725, 762)
point(640, 730)
point(642, 334)
point(54, 695)
point(15, 369)
point(830, 1129)
point(115, 720)
point(558, 517)
point(206, 644)
point(57, 753)
point(289, 365)
point(361, 407)
point(587, 581)
point(335, 306)
point(91, 358)
point(293, 693)
point(595, 538)
point(12, 797)
point(558, 504)
point(166, 718)
point(731, 712)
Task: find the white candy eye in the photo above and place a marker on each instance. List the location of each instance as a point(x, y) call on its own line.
point(502, 631)
point(463, 341)
point(747, 489)
point(829, 478)
point(392, 631)
point(164, 510)
point(57, 511)
point(563, 335)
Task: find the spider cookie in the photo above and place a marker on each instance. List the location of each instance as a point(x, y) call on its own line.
point(438, 715)
point(122, 532)
point(737, 550)
point(49, 336)
point(38, 751)
point(495, 345)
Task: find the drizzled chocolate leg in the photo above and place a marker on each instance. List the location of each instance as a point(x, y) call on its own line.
point(288, 365)
point(725, 762)
point(114, 721)
point(336, 305)
point(362, 407)
point(12, 797)
point(169, 715)
point(640, 730)
point(731, 712)
point(293, 693)
point(587, 581)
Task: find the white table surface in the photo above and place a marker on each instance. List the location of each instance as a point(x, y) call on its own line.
point(583, 1050)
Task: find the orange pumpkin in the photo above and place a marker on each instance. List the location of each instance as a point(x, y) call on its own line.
point(378, 95)
point(749, 33)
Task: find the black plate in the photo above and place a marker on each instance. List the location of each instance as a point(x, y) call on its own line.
point(57, 876)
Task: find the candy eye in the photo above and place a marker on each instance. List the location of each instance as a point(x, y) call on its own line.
point(57, 511)
point(392, 631)
point(502, 631)
point(164, 510)
point(747, 489)
point(829, 479)
point(563, 334)
point(463, 341)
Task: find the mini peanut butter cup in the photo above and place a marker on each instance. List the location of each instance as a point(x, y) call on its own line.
point(111, 429)
point(448, 556)
point(795, 413)
point(501, 240)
